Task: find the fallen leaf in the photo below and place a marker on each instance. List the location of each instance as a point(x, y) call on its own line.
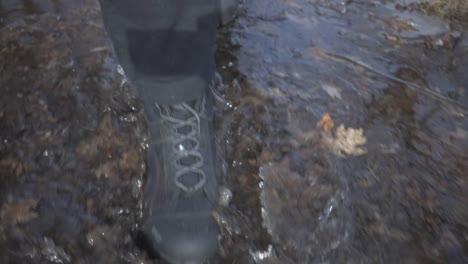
point(105, 124)
point(107, 170)
point(130, 160)
point(458, 134)
point(326, 123)
point(11, 163)
point(18, 212)
point(88, 147)
point(317, 53)
point(399, 25)
point(90, 205)
point(292, 3)
point(265, 156)
point(346, 141)
point(392, 38)
point(100, 49)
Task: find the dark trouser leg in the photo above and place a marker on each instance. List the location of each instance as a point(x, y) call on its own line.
point(166, 47)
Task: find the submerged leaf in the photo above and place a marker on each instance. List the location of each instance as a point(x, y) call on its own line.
point(18, 212)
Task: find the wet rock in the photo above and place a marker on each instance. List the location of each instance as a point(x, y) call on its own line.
point(464, 41)
point(225, 196)
point(383, 138)
point(53, 253)
point(294, 207)
point(418, 26)
point(107, 170)
point(265, 256)
point(60, 134)
point(332, 91)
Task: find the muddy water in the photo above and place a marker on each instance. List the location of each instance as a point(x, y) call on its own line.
point(71, 139)
point(344, 134)
point(347, 139)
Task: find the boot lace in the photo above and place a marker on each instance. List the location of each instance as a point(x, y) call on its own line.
point(188, 159)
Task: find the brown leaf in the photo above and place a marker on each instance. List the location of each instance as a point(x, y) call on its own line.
point(107, 170)
point(326, 123)
point(400, 25)
point(392, 38)
point(13, 164)
point(19, 169)
point(19, 212)
point(90, 205)
point(105, 124)
point(292, 3)
point(8, 162)
point(265, 156)
point(88, 147)
point(317, 53)
point(130, 160)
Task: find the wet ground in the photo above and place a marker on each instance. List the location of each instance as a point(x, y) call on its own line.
point(344, 131)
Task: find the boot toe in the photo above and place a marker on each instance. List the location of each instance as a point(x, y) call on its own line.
point(182, 240)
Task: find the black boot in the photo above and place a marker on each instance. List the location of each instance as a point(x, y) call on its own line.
point(181, 188)
point(166, 48)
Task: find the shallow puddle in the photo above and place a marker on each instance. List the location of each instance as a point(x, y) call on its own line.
point(343, 132)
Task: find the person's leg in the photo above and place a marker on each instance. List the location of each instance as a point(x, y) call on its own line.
point(166, 48)
point(228, 10)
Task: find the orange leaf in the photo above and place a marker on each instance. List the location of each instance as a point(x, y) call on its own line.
point(326, 123)
point(317, 53)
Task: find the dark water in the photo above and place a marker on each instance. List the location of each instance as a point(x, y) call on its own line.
point(344, 132)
